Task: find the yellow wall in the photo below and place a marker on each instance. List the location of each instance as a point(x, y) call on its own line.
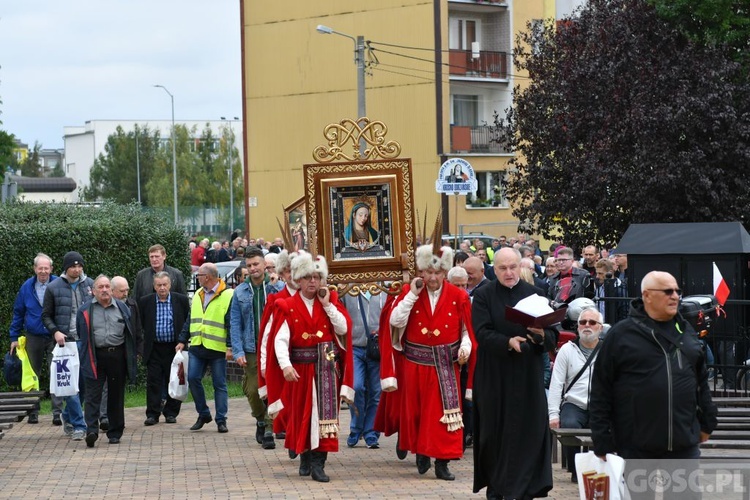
point(297, 81)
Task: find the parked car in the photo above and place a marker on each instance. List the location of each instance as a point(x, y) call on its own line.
point(226, 272)
point(455, 240)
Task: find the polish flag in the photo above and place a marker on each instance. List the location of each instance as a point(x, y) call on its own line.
point(721, 289)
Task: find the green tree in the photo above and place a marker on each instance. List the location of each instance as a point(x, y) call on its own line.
point(625, 121)
point(57, 171)
point(114, 175)
point(7, 143)
point(31, 166)
point(711, 22)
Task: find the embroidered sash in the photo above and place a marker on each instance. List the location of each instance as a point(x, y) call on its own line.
point(324, 355)
point(442, 358)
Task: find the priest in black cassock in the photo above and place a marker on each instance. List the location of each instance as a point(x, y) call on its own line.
point(512, 440)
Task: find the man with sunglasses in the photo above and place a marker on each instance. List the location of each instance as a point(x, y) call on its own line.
point(650, 397)
point(570, 387)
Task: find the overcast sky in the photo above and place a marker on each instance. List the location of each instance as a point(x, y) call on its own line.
point(65, 62)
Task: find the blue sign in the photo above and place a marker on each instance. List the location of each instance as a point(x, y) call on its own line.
point(456, 176)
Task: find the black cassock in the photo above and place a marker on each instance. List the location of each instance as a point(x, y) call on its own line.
point(512, 440)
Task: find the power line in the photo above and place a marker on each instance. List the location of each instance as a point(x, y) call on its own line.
point(431, 61)
point(474, 85)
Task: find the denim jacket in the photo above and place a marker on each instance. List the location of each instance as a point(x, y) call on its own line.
point(242, 319)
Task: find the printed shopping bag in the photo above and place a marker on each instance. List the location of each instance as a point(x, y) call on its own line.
point(599, 479)
point(64, 370)
point(178, 387)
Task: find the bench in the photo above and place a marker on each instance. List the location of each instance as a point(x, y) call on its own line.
point(720, 439)
point(14, 406)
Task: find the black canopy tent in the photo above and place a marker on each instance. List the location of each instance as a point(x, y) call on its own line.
point(687, 251)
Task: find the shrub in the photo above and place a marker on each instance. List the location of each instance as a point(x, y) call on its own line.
point(113, 240)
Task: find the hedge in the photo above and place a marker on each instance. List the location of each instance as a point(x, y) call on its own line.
point(113, 240)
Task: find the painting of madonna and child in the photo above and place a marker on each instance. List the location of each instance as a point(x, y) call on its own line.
point(361, 223)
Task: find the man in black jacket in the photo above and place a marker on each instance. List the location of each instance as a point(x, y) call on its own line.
point(108, 355)
point(163, 316)
point(650, 397)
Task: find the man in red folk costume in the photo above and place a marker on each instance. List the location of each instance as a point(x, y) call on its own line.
point(431, 322)
point(311, 353)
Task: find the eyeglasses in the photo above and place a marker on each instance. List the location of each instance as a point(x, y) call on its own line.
point(200, 274)
point(562, 260)
point(589, 322)
point(666, 291)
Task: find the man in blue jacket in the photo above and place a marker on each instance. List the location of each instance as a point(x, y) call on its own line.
point(27, 318)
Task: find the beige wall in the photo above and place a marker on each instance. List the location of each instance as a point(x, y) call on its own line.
point(297, 81)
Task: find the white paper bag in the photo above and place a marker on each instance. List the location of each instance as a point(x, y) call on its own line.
point(64, 370)
point(178, 386)
point(614, 467)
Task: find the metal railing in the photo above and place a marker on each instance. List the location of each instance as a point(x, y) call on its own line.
point(480, 139)
point(489, 64)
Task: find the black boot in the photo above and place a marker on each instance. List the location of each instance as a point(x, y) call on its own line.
point(400, 453)
point(318, 464)
point(442, 472)
point(260, 431)
point(423, 463)
point(304, 463)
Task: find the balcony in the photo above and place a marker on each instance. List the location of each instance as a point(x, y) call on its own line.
point(488, 65)
point(480, 139)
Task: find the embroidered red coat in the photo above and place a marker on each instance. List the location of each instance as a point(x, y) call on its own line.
point(420, 428)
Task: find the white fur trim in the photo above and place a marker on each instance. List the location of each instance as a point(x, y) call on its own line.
point(263, 392)
point(389, 384)
point(347, 393)
point(274, 408)
point(427, 260)
point(321, 267)
point(302, 266)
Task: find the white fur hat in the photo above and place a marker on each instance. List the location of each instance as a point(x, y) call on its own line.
point(427, 260)
point(304, 265)
point(283, 261)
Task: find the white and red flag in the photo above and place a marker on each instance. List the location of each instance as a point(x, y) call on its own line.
point(721, 289)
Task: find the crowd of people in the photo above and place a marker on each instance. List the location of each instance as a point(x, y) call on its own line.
point(450, 372)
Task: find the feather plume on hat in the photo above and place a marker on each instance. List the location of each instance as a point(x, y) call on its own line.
point(432, 255)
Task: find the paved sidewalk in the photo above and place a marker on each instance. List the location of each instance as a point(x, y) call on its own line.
point(169, 461)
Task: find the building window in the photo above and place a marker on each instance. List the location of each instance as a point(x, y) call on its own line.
point(466, 110)
point(462, 33)
point(490, 191)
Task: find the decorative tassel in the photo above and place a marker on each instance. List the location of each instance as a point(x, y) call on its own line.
point(453, 419)
point(329, 429)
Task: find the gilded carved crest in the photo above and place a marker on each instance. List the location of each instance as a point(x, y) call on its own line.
point(365, 138)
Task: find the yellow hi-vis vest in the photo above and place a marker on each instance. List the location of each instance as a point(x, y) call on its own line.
point(207, 327)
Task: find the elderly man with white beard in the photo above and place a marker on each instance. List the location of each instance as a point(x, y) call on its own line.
point(570, 388)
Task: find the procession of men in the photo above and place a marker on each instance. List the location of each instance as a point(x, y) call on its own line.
point(305, 351)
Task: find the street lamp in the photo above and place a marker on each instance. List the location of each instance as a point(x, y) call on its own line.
point(138, 164)
point(359, 60)
point(230, 172)
point(174, 154)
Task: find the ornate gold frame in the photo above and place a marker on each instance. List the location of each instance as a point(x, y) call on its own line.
point(291, 212)
point(323, 181)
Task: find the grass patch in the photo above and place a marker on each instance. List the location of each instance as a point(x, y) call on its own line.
point(136, 396)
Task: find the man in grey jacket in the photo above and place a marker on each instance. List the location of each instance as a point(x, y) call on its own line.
point(62, 299)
